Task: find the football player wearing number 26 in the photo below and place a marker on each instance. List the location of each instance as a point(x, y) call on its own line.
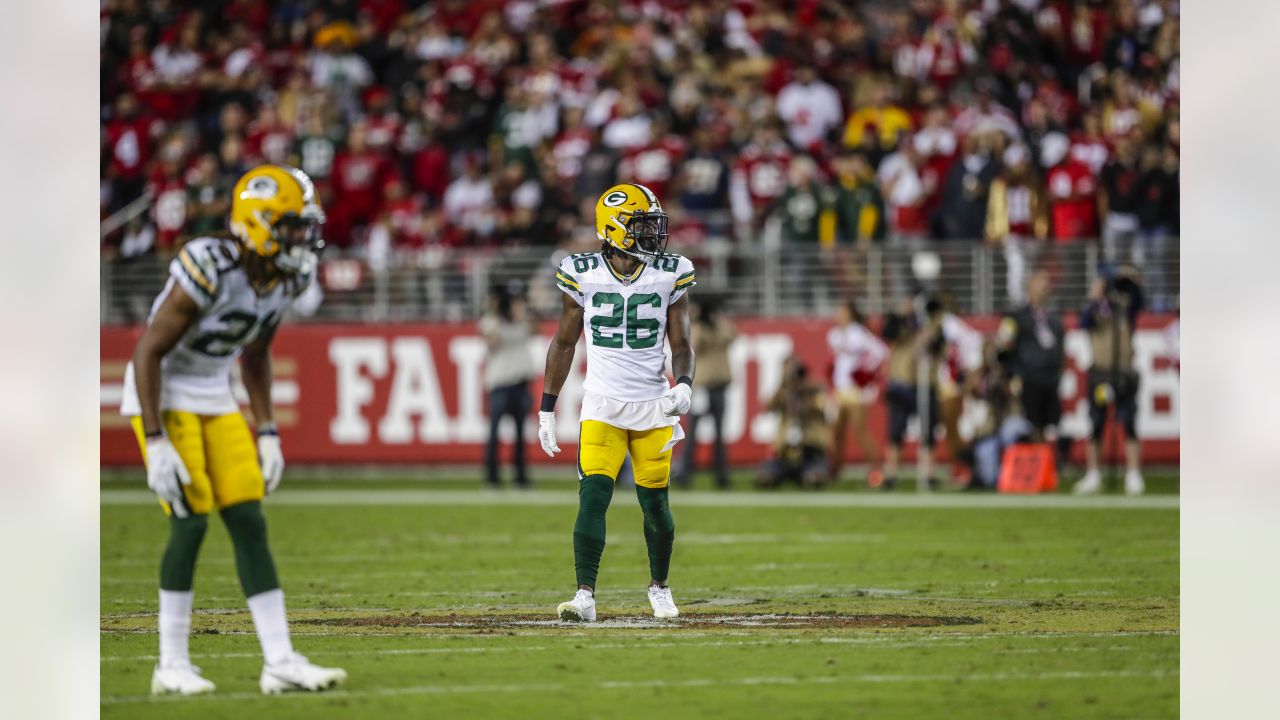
point(629, 296)
point(223, 300)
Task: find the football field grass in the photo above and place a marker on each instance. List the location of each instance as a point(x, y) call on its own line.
point(440, 602)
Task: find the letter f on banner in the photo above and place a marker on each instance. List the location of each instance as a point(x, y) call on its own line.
point(349, 356)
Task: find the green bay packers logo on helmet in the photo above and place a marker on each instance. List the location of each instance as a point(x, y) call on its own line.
point(275, 212)
point(630, 219)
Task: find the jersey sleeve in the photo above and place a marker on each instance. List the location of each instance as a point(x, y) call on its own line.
point(195, 269)
point(685, 278)
point(568, 281)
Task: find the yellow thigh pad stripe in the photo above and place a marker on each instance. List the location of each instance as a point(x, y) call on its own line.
point(220, 455)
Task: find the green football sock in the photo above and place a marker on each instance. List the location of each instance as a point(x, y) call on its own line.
point(594, 494)
point(659, 529)
point(178, 566)
point(248, 530)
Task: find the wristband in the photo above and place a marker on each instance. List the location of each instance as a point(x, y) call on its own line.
point(686, 380)
point(268, 429)
point(548, 402)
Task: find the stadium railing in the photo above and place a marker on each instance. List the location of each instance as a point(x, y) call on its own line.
point(766, 279)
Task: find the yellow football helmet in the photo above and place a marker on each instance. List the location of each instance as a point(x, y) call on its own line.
point(275, 212)
point(630, 219)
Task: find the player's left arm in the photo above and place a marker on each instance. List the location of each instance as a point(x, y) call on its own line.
point(676, 400)
point(680, 337)
point(255, 372)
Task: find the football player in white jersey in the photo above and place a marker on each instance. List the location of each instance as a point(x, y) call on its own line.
point(629, 296)
point(223, 301)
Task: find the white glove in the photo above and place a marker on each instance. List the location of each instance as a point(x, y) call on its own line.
point(547, 433)
point(675, 401)
point(166, 474)
point(271, 459)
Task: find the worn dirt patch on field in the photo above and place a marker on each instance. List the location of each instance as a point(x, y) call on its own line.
point(690, 621)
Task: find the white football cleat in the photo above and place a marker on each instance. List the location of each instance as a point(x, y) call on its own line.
point(179, 678)
point(297, 673)
point(582, 608)
point(1090, 484)
point(1133, 484)
point(664, 607)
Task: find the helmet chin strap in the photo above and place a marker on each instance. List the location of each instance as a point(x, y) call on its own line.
point(643, 258)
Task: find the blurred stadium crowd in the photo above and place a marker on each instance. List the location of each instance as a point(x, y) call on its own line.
point(487, 123)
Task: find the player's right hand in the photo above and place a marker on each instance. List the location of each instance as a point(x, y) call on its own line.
point(547, 433)
point(166, 474)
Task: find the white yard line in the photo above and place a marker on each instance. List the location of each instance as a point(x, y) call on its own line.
point(655, 634)
point(691, 593)
point(663, 684)
point(692, 499)
point(924, 641)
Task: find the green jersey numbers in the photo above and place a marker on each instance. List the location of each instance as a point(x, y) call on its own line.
point(603, 326)
point(640, 333)
point(238, 327)
point(667, 263)
point(582, 262)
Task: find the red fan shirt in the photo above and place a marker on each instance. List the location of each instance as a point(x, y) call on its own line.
point(357, 178)
point(763, 172)
point(653, 165)
point(130, 144)
point(1072, 190)
point(431, 171)
point(169, 209)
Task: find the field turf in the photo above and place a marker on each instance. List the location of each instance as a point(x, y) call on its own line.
point(439, 601)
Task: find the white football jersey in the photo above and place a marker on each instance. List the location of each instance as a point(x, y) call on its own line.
point(195, 376)
point(625, 321)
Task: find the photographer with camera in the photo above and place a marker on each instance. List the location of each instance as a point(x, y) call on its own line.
point(1110, 319)
point(916, 348)
point(800, 450)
